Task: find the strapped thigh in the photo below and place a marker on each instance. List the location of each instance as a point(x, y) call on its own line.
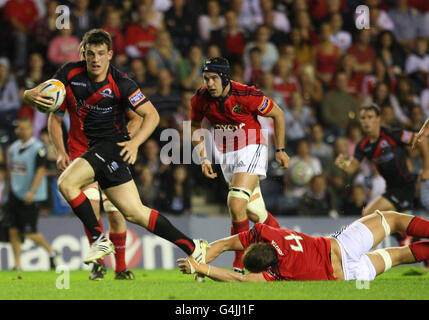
point(384, 222)
point(257, 205)
point(386, 258)
point(238, 192)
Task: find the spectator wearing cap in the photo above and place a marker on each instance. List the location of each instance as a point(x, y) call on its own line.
point(10, 101)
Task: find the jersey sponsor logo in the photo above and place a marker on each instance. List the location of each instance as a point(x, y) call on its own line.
point(136, 97)
point(107, 93)
point(276, 246)
point(384, 144)
point(237, 109)
point(74, 83)
point(264, 105)
point(229, 127)
point(102, 109)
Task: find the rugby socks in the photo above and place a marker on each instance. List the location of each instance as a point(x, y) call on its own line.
point(271, 221)
point(160, 226)
point(82, 208)
point(418, 228)
point(88, 235)
point(237, 227)
point(420, 250)
point(119, 241)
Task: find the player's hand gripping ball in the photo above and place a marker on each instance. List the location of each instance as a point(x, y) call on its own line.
point(56, 91)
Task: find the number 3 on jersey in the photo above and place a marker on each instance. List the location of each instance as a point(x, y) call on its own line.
point(298, 246)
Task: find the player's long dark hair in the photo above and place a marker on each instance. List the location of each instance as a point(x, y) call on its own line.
point(259, 257)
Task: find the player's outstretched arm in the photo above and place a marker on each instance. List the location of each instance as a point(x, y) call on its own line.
point(190, 266)
point(231, 243)
point(348, 165)
point(34, 98)
point(150, 121)
point(423, 132)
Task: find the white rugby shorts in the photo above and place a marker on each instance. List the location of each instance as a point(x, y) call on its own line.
point(252, 159)
point(355, 241)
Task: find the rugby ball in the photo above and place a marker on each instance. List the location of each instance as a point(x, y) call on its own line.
point(56, 91)
point(301, 173)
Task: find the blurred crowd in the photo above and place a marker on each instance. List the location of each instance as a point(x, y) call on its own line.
point(307, 55)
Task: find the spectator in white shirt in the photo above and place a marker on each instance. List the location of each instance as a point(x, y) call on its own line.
point(10, 101)
point(212, 20)
point(280, 20)
point(417, 64)
point(340, 37)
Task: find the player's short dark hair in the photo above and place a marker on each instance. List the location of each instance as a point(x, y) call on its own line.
point(259, 257)
point(97, 37)
point(372, 106)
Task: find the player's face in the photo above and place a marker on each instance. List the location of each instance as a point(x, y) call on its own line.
point(369, 121)
point(213, 83)
point(97, 57)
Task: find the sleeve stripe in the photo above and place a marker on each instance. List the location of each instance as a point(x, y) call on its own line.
point(265, 105)
point(407, 136)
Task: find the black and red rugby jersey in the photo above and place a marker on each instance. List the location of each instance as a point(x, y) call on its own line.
point(389, 155)
point(98, 108)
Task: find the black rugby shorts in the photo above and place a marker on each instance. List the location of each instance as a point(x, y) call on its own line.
point(109, 167)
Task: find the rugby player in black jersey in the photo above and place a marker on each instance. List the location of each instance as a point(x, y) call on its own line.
point(386, 148)
point(102, 95)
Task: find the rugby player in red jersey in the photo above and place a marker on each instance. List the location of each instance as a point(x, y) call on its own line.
point(101, 96)
point(232, 109)
point(273, 254)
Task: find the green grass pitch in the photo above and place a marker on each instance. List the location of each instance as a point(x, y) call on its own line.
point(172, 285)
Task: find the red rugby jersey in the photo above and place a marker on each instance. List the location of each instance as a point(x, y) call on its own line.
point(238, 110)
point(301, 257)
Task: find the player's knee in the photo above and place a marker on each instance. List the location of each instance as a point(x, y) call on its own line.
point(65, 187)
point(238, 198)
point(237, 207)
point(116, 220)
